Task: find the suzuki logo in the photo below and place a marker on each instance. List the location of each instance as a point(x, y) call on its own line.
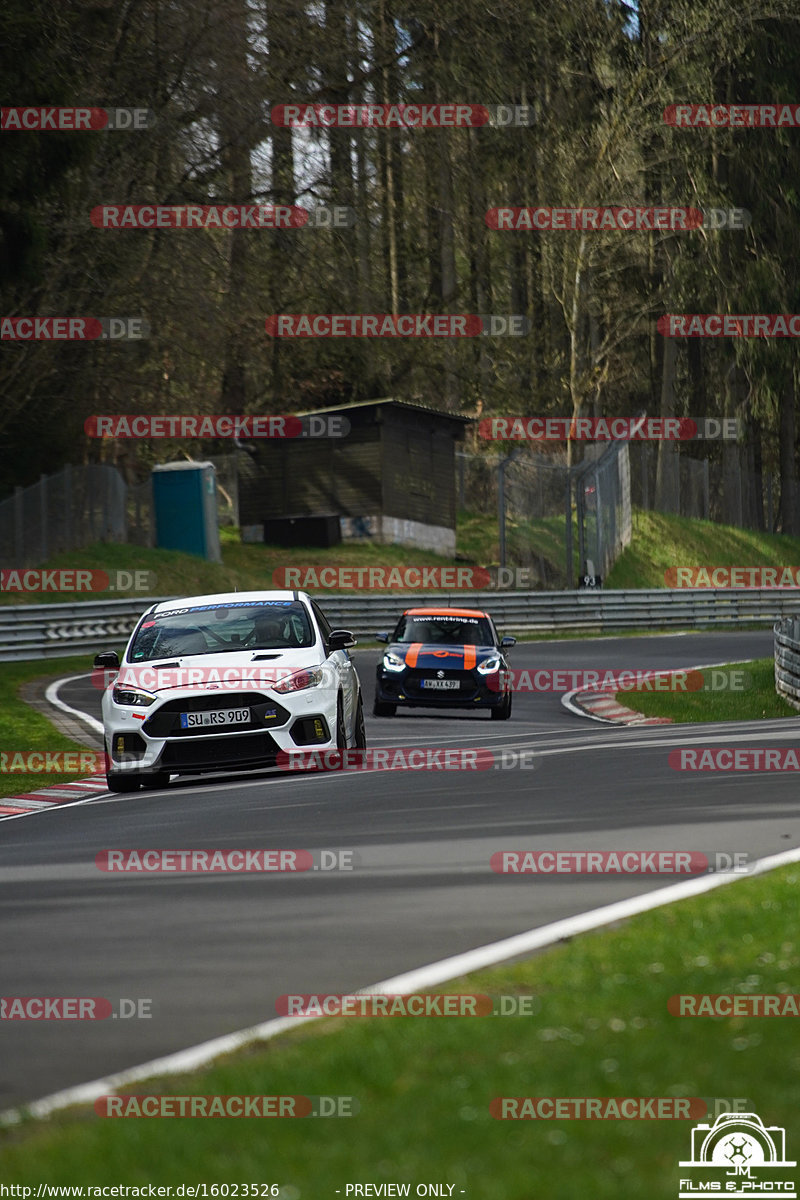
point(440, 674)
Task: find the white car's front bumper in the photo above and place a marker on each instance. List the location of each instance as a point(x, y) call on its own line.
point(150, 739)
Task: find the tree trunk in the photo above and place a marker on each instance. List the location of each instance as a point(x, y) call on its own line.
point(235, 136)
point(668, 463)
point(788, 508)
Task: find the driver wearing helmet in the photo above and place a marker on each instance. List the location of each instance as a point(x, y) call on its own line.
point(268, 631)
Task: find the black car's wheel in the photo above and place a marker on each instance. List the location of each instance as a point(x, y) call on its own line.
point(380, 709)
point(159, 780)
point(503, 711)
point(360, 730)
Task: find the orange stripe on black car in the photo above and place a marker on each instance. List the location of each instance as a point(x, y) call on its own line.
point(412, 654)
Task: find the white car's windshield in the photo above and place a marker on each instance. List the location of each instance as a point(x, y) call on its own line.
point(222, 628)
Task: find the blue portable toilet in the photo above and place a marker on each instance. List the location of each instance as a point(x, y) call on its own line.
point(185, 508)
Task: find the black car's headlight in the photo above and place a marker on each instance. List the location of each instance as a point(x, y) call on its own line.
point(135, 697)
point(489, 666)
point(393, 662)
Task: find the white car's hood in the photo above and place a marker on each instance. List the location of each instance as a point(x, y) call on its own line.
point(238, 669)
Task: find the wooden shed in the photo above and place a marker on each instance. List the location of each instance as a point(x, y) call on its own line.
point(391, 479)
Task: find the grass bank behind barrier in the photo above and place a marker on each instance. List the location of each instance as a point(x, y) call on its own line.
point(662, 541)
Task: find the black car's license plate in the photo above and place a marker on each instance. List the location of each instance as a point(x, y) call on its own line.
point(440, 684)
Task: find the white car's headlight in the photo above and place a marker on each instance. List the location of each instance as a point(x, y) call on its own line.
point(299, 680)
point(392, 662)
point(135, 697)
point(489, 666)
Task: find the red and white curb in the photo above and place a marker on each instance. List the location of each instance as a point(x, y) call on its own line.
point(599, 705)
point(604, 706)
point(48, 797)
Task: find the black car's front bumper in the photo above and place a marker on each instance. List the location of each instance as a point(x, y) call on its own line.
point(409, 688)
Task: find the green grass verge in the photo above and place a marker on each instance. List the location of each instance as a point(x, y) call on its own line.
point(23, 728)
point(601, 1028)
point(661, 541)
point(757, 700)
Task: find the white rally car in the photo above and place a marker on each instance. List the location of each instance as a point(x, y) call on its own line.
point(227, 682)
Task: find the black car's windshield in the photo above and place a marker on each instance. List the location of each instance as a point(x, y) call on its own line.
point(220, 628)
point(446, 630)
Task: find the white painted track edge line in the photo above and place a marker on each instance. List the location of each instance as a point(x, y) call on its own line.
point(52, 697)
point(442, 971)
point(577, 711)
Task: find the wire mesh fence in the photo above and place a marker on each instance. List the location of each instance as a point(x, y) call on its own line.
point(73, 508)
point(81, 505)
point(602, 488)
point(562, 521)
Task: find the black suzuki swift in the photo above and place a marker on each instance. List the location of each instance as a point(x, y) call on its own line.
point(443, 658)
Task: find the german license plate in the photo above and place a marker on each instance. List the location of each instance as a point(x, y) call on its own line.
point(441, 684)
point(218, 716)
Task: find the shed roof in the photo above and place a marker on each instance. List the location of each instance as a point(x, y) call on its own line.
point(412, 404)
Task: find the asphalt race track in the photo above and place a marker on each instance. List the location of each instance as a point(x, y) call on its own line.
point(213, 952)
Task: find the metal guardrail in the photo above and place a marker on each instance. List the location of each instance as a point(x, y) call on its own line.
point(57, 630)
point(787, 659)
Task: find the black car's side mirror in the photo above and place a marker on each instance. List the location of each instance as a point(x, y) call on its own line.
point(340, 639)
point(109, 660)
point(381, 637)
point(508, 641)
